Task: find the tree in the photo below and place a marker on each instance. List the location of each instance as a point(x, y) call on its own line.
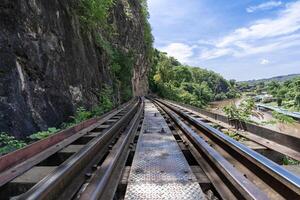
point(281, 95)
point(239, 115)
point(192, 85)
point(232, 82)
point(297, 100)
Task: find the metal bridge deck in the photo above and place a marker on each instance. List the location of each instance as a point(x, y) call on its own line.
point(159, 169)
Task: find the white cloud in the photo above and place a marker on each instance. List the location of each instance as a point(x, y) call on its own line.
point(180, 51)
point(262, 36)
point(264, 61)
point(215, 53)
point(264, 6)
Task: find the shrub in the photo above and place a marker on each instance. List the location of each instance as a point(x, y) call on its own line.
point(283, 118)
point(94, 13)
point(289, 161)
point(9, 143)
point(81, 115)
point(44, 134)
point(105, 102)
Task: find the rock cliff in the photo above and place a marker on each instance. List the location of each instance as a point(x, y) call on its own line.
point(50, 63)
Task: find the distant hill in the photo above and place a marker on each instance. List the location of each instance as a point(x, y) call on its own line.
point(276, 78)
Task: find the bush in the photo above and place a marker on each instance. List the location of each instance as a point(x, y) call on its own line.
point(283, 118)
point(289, 161)
point(9, 143)
point(220, 96)
point(238, 115)
point(44, 134)
point(81, 115)
point(94, 13)
point(105, 102)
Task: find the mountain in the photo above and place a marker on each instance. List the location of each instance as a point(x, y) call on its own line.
point(276, 78)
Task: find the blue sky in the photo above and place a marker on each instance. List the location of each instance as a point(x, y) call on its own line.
point(240, 39)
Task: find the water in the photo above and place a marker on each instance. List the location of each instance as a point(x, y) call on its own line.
point(289, 129)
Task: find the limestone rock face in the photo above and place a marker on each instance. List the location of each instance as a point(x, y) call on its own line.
point(49, 64)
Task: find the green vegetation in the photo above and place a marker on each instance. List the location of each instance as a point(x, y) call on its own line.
point(235, 136)
point(238, 115)
point(285, 94)
point(191, 85)
point(105, 45)
point(81, 115)
point(105, 102)
point(9, 143)
point(122, 70)
point(289, 161)
point(94, 13)
point(94, 17)
point(283, 118)
point(148, 37)
point(43, 134)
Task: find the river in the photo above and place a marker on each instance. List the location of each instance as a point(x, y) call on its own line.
point(289, 129)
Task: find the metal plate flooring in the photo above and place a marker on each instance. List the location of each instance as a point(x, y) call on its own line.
point(159, 169)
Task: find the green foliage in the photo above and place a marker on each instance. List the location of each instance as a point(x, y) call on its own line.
point(220, 96)
point(238, 115)
point(297, 99)
point(94, 13)
point(105, 45)
point(105, 102)
point(283, 118)
point(287, 94)
point(191, 85)
point(234, 135)
point(81, 115)
point(232, 112)
point(289, 161)
point(9, 143)
point(44, 134)
point(122, 69)
point(148, 37)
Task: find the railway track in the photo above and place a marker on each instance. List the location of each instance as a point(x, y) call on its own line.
point(272, 145)
point(143, 150)
point(59, 166)
point(237, 172)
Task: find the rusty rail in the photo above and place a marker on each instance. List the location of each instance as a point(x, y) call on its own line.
point(17, 162)
point(67, 178)
point(104, 184)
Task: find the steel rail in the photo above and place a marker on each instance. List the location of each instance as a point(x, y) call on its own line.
point(286, 183)
point(17, 162)
point(54, 186)
point(104, 184)
point(279, 142)
point(246, 188)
